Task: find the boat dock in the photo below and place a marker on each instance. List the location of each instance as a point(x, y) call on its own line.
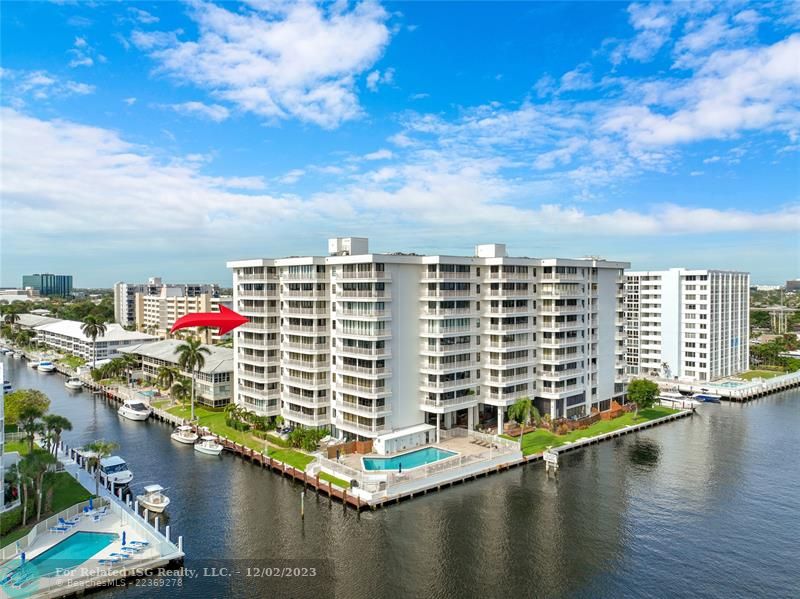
point(737, 391)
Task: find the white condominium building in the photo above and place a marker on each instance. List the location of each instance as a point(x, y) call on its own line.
point(687, 324)
point(125, 295)
point(369, 343)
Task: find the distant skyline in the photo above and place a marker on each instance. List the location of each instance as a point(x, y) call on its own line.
point(165, 138)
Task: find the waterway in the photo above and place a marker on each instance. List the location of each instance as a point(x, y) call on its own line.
point(706, 506)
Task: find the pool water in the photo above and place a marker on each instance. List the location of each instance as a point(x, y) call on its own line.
point(412, 459)
point(66, 555)
point(729, 384)
point(149, 393)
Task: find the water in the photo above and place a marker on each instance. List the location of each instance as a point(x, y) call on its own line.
point(66, 555)
point(703, 507)
point(409, 460)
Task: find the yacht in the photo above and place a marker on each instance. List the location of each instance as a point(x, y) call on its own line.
point(184, 434)
point(46, 366)
point(153, 498)
point(114, 469)
point(73, 382)
point(133, 409)
point(208, 444)
point(707, 397)
point(677, 400)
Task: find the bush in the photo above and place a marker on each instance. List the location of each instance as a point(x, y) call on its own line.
point(10, 520)
point(563, 429)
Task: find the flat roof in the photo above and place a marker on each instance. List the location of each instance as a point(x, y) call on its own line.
point(409, 430)
point(72, 328)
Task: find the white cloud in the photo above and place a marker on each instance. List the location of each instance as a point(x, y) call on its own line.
point(711, 160)
point(142, 16)
point(382, 154)
point(130, 101)
point(83, 54)
point(212, 112)
point(419, 96)
point(280, 60)
point(40, 85)
point(577, 79)
point(376, 78)
point(292, 176)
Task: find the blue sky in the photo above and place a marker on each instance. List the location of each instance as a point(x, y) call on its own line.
point(166, 138)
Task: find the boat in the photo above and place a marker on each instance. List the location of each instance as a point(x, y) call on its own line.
point(208, 444)
point(677, 399)
point(153, 498)
point(707, 397)
point(73, 382)
point(184, 434)
point(114, 469)
point(16, 355)
point(7, 388)
point(134, 409)
point(46, 366)
point(33, 364)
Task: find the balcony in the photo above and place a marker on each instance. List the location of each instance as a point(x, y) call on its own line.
point(559, 375)
point(440, 406)
point(366, 335)
point(431, 331)
point(448, 276)
point(556, 277)
point(245, 310)
point(544, 308)
point(508, 345)
point(257, 277)
point(507, 362)
point(304, 347)
point(304, 383)
point(245, 342)
point(304, 293)
point(554, 358)
point(572, 325)
point(373, 390)
point(434, 294)
point(303, 276)
point(313, 312)
point(372, 313)
point(354, 275)
point(302, 329)
point(367, 430)
point(509, 276)
point(448, 367)
point(305, 364)
point(253, 294)
point(455, 348)
point(509, 293)
point(491, 397)
point(362, 370)
point(562, 341)
point(507, 380)
point(258, 327)
point(427, 312)
point(502, 328)
point(361, 409)
point(561, 291)
point(364, 294)
point(314, 420)
point(509, 310)
point(558, 392)
point(439, 386)
point(350, 350)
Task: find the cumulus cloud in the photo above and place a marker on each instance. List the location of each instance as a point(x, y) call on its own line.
point(212, 112)
point(278, 60)
point(39, 85)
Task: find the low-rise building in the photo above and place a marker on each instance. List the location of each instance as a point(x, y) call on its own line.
point(213, 383)
point(68, 336)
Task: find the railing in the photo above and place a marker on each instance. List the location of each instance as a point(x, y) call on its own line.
point(260, 277)
point(501, 328)
point(362, 351)
point(439, 276)
point(448, 312)
point(315, 347)
point(372, 389)
point(446, 330)
point(508, 309)
point(362, 313)
point(363, 294)
point(358, 274)
point(456, 347)
point(436, 293)
point(357, 408)
point(455, 403)
point(509, 292)
point(448, 384)
point(348, 369)
point(496, 276)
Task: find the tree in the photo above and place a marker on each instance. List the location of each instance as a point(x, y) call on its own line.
point(180, 390)
point(54, 425)
point(21, 398)
point(39, 463)
point(99, 450)
point(27, 475)
point(643, 393)
point(166, 376)
point(191, 358)
point(523, 411)
point(29, 421)
point(11, 318)
point(93, 328)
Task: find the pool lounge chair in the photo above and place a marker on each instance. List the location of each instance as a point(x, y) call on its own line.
point(139, 543)
point(110, 561)
point(70, 523)
point(120, 555)
point(127, 549)
point(100, 514)
point(59, 529)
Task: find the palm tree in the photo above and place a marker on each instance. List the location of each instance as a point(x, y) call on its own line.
point(129, 363)
point(26, 475)
point(166, 376)
point(11, 318)
point(54, 425)
point(28, 418)
point(522, 411)
point(40, 462)
point(180, 390)
point(93, 328)
point(192, 359)
point(99, 449)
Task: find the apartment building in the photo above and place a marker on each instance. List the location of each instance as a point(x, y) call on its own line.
point(68, 336)
point(687, 324)
point(212, 381)
point(370, 343)
point(125, 295)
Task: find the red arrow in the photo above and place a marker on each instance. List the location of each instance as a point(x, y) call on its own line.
point(226, 319)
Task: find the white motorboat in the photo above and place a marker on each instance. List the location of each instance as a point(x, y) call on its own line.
point(208, 444)
point(73, 382)
point(134, 409)
point(46, 366)
point(677, 400)
point(114, 469)
point(33, 364)
point(184, 434)
point(153, 498)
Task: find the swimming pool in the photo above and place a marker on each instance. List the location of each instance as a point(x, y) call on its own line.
point(149, 393)
point(66, 555)
point(406, 461)
point(729, 384)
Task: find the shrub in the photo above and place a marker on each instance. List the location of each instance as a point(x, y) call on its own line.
point(563, 429)
point(10, 520)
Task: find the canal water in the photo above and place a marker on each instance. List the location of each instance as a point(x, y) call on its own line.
point(707, 506)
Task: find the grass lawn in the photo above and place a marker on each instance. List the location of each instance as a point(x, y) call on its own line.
point(539, 440)
point(332, 479)
point(72, 361)
point(66, 491)
point(215, 420)
point(760, 374)
point(21, 446)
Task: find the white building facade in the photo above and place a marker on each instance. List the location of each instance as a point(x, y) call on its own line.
point(125, 302)
point(688, 325)
point(370, 343)
point(67, 336)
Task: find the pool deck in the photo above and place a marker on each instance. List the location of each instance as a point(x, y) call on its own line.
point(743, 392)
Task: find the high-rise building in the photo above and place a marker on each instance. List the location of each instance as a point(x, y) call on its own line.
point(49, 284)
point(687, 324)
point(369, 343)
point(125, 303)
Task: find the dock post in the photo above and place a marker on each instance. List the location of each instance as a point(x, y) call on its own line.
point(136, 507)
point(146, 514)
point(317, 484)
point(155, 524)
point(166, 532)
point(302, 505)
point(344, 501)
point(180, 543)
point(330, 495)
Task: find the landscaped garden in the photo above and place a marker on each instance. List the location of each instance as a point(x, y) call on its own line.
point(539, 440)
